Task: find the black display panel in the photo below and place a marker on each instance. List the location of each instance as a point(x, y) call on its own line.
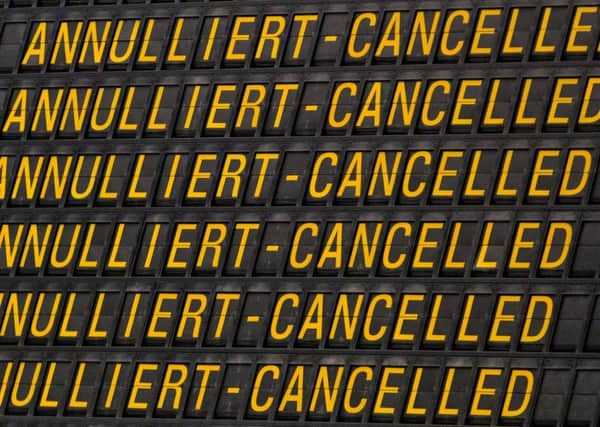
point(279, 213)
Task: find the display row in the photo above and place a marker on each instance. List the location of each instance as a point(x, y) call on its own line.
point(393, 175)
point(302, 389)
point(401, 320)
point(312, 243)
point(312, 104)
point(298, 36)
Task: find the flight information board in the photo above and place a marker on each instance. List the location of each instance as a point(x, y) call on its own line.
point(280, 213)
